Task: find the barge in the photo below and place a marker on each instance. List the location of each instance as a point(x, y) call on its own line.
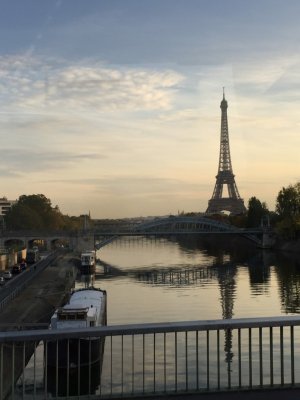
point(86, 308)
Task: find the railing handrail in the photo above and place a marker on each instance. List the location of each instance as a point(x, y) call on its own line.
point(163, 327)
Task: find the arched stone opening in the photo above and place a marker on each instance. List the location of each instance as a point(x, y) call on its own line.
point(59, 243)
point(37, 242)
point(15, 244)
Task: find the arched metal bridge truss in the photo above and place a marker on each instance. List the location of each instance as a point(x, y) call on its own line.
point(182, 225)
point(185, 224)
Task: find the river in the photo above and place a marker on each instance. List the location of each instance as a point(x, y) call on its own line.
point(180, 279)
point(183, 279)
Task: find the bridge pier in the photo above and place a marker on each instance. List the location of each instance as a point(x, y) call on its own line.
point(268, 240)
point(83, 241)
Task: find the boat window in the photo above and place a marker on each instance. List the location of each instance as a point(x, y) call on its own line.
point(72, 316)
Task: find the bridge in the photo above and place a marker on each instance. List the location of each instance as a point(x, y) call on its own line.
point(104, 234)
point(179, 225)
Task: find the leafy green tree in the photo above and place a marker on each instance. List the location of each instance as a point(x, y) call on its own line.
point(288, 201)
point(256, 211)
point(34, 212)
point(288, 209)
point(23, 217)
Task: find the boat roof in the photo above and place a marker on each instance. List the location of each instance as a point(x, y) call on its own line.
point(89, 299)
point(84, 303)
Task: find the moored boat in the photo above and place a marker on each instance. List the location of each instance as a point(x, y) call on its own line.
point(86, 308)
point(88, 261)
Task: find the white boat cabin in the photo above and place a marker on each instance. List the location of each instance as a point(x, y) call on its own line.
point(88, 258)
point(84, 310)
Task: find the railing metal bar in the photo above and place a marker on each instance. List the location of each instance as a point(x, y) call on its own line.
point(250, 357)
point(111, 365)
point(240, 357)
point(68, 367)
point(132, 367)
point(281, 356)
point(292, 356)
point(271, 357)
point(78, 370)
point(207, 360)
point(175, 361)
point(90, 365)
point(34, 371)
point(101, 364)
point(186, 362)
point(46, 368)
point(143, 363)
point(122, 364)
point(197, 359)
point(23, 369)
point(218, 359)
point(154, 361)
point(165, 364)
point(229, 332)
point(2, 372)
point(56, 370)
point(260, 358)
point(13, 371)
point(117, 330)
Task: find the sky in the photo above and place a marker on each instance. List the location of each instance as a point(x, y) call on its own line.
point(113, 106)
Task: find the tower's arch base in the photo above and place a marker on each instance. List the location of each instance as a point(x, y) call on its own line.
point(233, 206)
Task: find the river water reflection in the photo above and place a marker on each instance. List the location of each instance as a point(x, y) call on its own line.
point(185, 279)
point(180, 279)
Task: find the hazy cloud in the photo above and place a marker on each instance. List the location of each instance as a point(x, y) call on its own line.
point(31, 84)
point(22, 161)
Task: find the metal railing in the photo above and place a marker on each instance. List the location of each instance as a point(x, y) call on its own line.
point(162, 358)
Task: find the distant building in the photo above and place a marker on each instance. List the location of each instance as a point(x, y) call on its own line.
point(5, 205)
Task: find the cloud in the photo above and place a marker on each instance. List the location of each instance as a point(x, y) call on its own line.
point(137, 185)
point(32, 84)
point(21, 161)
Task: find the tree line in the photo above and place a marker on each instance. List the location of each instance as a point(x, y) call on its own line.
point(285, 219)
point(35, 211)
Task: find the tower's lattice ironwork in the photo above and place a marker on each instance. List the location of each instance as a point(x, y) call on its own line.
point(233, 203)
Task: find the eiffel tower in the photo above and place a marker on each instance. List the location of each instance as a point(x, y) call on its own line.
point(233, 203)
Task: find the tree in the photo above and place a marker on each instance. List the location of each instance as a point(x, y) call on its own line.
point(288, 201)
point(256, 211)
point(288, 209)
point(33, 212)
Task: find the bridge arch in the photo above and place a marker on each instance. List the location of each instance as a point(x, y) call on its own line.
point(180, 224)
point(14, 242)
point(39, 242)
point(59, 242)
